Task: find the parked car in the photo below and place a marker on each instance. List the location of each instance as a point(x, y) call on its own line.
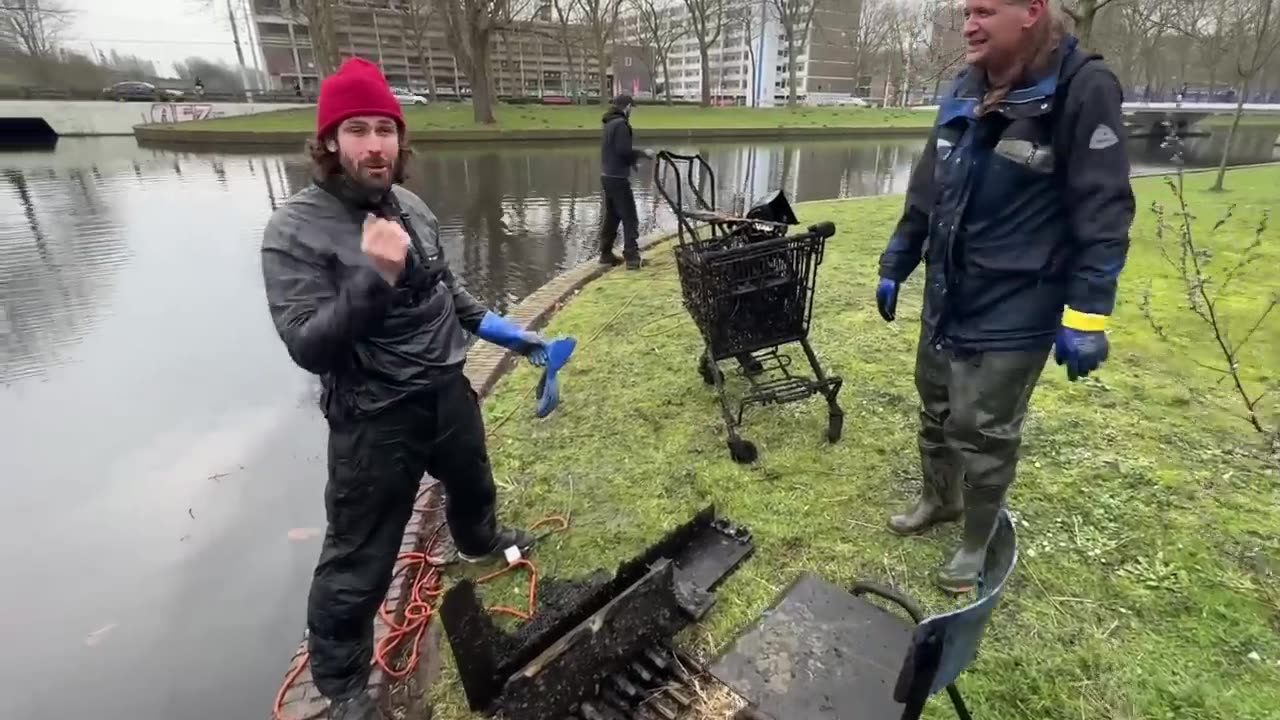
point(408, 98)
point(827, 99)
point(133, 90)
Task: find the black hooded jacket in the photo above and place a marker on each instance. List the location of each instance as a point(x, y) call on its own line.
point(617, 156)
point(370, 343)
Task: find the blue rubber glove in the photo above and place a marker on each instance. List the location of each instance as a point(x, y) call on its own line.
point(502, 332)
point(1081, 343)
point(548, 395)
point(887, 299)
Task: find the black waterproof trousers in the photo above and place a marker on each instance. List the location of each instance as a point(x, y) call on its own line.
point(619, 207)
point(972, 406)
point(375, 465)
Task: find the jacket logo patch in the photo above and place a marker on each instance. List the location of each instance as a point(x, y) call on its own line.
point(1103, 137)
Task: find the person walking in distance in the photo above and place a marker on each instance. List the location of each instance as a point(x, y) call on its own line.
point(617, 158)
point(361, 294)
point(1020, 207)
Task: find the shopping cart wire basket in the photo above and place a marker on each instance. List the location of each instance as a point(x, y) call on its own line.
point(748, 286)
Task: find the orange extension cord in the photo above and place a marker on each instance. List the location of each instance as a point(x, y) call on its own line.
point(425, 590)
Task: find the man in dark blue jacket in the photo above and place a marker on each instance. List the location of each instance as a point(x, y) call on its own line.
point(617, 157)
point(1020, 208)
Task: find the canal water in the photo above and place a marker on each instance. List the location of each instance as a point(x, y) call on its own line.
point(162, 461)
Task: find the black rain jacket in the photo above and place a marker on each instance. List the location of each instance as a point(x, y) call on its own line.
point(1020, 212)
point(371, 344)
point(617, 153)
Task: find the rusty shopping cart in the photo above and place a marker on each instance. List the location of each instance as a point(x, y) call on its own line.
point(748, 285)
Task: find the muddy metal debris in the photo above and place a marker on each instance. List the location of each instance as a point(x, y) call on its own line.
point(599, 647)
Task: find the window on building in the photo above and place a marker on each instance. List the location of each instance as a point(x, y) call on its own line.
point(626, 62)
point(864, 87)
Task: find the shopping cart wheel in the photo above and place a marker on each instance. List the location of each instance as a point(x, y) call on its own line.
point(709, 371)
point(742, 451)
point(835, 426)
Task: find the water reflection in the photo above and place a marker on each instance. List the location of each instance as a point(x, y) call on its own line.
point(60, 249)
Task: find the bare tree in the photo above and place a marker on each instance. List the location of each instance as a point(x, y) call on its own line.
point(875, 21)
point(661, 35)
point(32, 27)
point(910, 27)
point(471, 25)
point(795, 16)
point(1083, 13)
point(1214, 41)
point(941, 56)
point(417, 15)
point(1251, 28)
point(744, 17)
point(1135, 39)
point(567, 14)
point(322, 27)
point(706, 19)
point(216, 76)
point(601, 20)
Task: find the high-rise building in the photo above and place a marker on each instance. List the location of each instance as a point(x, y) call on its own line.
point(529, 59)
point(748, 62)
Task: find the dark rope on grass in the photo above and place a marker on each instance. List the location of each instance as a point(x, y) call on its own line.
point(640, 330)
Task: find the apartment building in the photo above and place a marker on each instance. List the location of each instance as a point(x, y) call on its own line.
point(527, 60)
point(748, 64)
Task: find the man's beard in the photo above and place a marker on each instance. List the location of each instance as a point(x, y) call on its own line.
point(359, 172)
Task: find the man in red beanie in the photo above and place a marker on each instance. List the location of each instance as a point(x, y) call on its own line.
point(361, 294)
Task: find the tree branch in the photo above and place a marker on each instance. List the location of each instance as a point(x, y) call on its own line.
point(1192, 270)
point(1274, 301)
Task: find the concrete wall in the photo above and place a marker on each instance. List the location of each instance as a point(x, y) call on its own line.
point(70, 118)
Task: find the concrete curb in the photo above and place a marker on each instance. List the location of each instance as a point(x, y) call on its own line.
point(171, 135)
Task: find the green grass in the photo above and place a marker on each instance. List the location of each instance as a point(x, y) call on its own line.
point(1149, 512)
point(1246, 120)
point(457, 116)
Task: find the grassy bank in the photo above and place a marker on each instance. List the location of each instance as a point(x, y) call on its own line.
point(1149, 512)
point(1220, 121)
point(455, 116)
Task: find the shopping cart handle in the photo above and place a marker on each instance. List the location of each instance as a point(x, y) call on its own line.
point(823, 229)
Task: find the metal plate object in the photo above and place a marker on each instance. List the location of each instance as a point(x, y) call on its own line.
point(819, 654)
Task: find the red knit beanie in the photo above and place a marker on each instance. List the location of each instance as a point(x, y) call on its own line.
point(357, 88)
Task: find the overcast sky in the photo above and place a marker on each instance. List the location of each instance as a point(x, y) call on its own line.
point(161, 30)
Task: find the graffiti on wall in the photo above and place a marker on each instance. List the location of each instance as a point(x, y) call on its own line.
point(182, 112)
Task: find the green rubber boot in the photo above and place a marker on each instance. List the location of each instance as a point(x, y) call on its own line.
point(940, 498)
point(960, 574)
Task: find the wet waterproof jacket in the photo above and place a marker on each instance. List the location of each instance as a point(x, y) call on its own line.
point(370, 343)
point(617, 154)
point(1020, 212)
